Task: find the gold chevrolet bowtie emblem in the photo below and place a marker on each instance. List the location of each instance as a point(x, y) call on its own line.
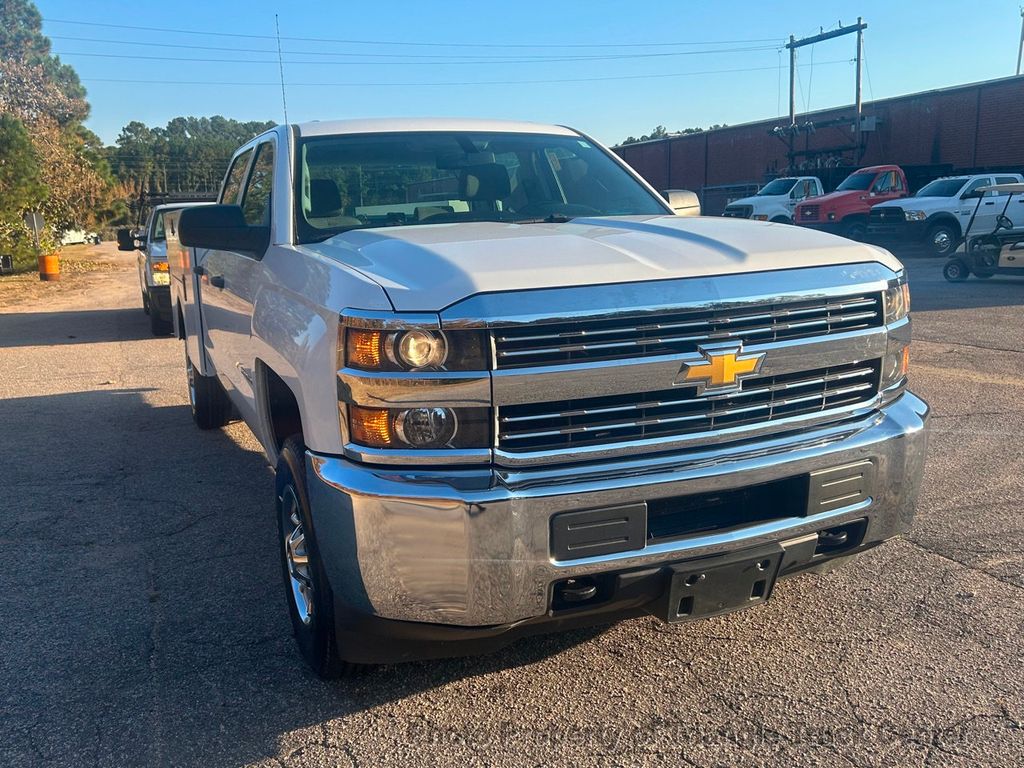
point(721, 369)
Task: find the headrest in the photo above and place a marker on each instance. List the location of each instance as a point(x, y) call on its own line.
point(324, 198)
point(484, 182)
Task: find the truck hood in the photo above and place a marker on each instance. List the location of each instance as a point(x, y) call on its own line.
point(761, 201)
point(429, 267)
point(834, 199)
point(924, 203)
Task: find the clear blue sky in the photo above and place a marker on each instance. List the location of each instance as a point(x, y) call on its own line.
point(909, 46)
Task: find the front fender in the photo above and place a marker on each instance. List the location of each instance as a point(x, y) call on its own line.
point(295, 334)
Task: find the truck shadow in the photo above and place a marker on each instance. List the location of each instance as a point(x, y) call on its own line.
point(26, 329)
point(159, 631)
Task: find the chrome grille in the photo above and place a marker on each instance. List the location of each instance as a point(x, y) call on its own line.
point(739, 211)
point(676, 412)
point(809, 212)
point(679, 332)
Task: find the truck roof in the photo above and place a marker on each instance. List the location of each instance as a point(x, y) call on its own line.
point(878, 168)
point(424, 124)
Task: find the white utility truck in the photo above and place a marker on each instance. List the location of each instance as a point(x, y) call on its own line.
point(507, 391)
point(776, 200)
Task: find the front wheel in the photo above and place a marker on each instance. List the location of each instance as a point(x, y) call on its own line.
point(955, 271)
point(942, 239)
point(855, 230)
point(211, 407)
point(782, 220)
point(159, 325)
point(310, 601)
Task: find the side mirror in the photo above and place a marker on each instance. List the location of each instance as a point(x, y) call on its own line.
point(125, 239)
point(682, 201)
point(971, 195)
point(221, 228)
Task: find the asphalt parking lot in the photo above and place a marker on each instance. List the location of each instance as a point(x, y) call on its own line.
point(142, 621)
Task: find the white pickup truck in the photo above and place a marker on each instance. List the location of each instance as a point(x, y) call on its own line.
point(150, 244)
point(938, 213)
point(507, 391)
point(776, 200)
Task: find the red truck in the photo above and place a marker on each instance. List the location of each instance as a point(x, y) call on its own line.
point(845, 211)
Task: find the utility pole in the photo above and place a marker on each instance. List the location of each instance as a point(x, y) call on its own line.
point(793, 44)
point(1020, 46)
point(860, 65)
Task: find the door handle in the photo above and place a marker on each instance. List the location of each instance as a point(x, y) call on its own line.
point(217, 281)
point(990, 202)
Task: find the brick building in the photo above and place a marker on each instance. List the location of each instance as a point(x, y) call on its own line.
point(966, 128)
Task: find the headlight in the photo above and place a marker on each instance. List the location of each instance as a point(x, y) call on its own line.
point(915, 215)
point(897, 299)
point(414, 350)
point(422, 427)
point(417, 349)
point(896, 363)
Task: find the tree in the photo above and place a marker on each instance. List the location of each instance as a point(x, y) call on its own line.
point(661, 132)
point(48, 99)
point(21, 188)
point(189, 154)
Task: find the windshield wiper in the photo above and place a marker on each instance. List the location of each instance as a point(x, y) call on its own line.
point(551, 218)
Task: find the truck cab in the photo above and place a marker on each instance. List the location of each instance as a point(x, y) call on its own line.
point(845, 211)
point(506, 390)
point(776, 200)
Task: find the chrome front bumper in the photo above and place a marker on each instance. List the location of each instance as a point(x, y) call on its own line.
point(472, 547)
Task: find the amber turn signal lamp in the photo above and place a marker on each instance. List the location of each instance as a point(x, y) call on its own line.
point(363, 349)
point(160, 266)
point(905, 361)
point(370, 426)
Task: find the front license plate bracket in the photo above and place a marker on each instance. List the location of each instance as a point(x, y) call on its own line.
point(704, 588)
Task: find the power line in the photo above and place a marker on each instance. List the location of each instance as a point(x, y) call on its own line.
point(658, 75)
point(477, 58)
point(379, 63)
point(165, 30)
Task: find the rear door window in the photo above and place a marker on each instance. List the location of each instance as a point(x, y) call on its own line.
point(236, 175)
point(256, 200)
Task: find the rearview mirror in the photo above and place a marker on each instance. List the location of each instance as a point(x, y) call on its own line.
point(682, 201)
point(221, 228)
point(125, 239)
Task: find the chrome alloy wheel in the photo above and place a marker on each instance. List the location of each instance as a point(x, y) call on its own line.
point(297, 556)
point(941, 241)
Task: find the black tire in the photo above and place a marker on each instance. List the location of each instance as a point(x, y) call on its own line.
point(312, 625)
point(145, 302)
point(160, 326)
point(956, 271)
point(942, 239)
point(782, 220)
point(983, 275)
point(855, 229)
point(211, 407)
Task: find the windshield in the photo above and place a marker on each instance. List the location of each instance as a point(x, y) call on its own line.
point(856, 181)
point(399, 179)
point(777, 187)
point(941, 188)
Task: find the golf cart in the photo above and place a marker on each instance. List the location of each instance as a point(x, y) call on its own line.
point(999, 251)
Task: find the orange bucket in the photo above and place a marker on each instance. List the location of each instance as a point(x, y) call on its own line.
point(49, 267)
